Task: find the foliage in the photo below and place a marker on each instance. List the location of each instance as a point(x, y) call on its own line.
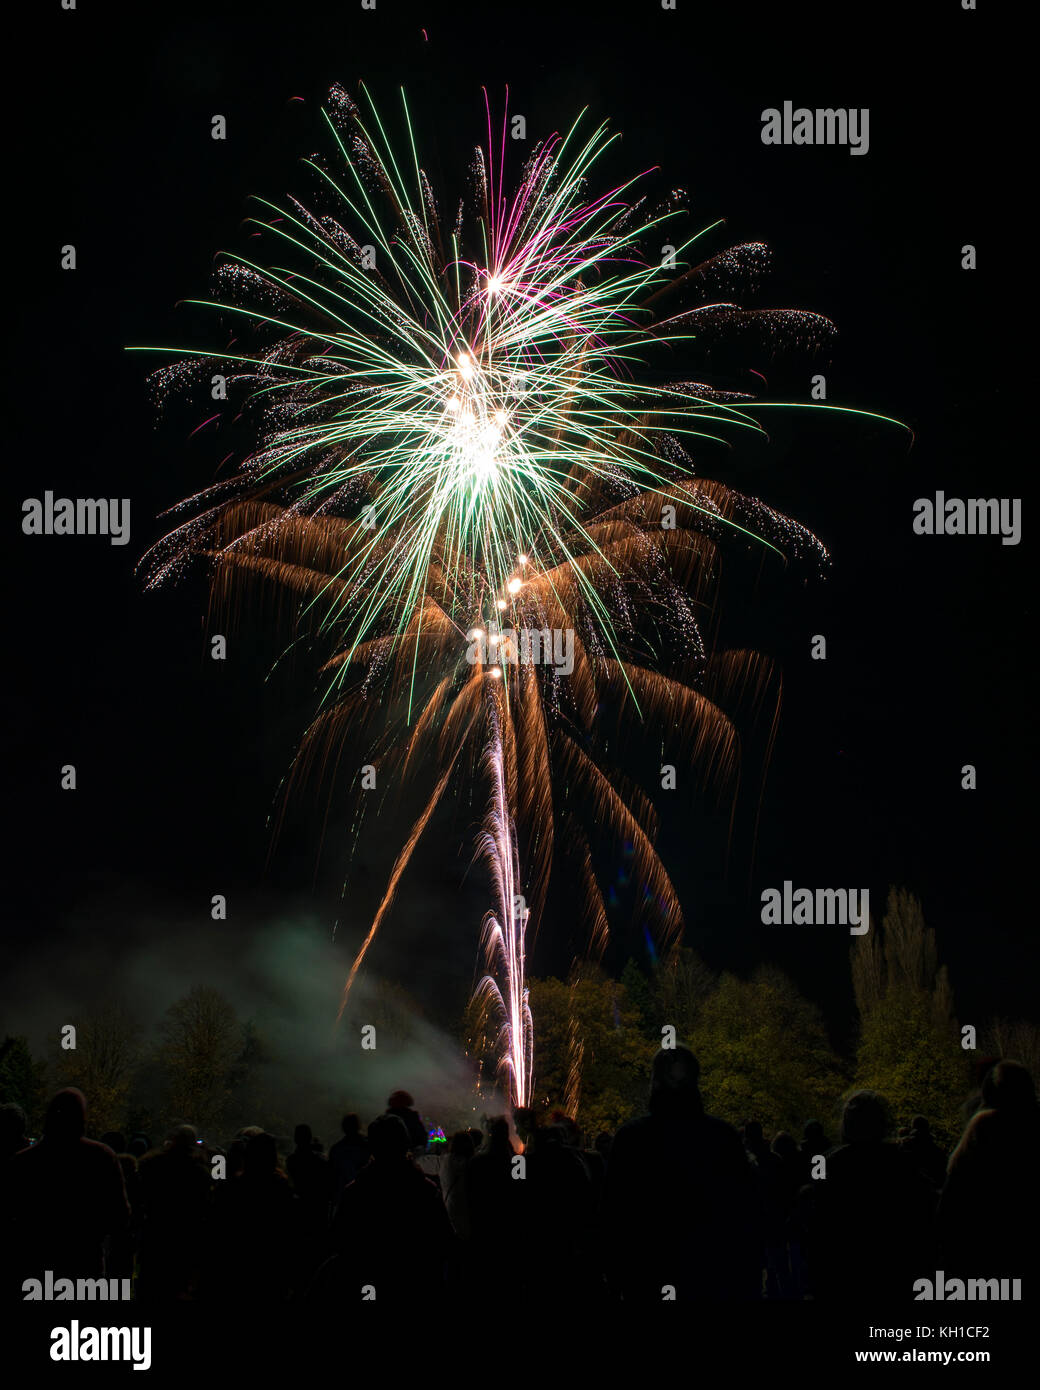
point(205, 1055)
point(1017, 1038)
point(909, 1048)
point(680, 986)
point(22, 1080)
point(102, 1064)
point(764, 1053)
point(613, 1062)
point(915, 1061)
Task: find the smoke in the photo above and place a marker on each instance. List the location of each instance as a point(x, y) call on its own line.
point(284, 976)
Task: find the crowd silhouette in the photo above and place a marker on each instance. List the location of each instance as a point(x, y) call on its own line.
point(677, 1204)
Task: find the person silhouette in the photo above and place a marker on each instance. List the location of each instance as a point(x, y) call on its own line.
point(309, 1173)
point(174, 1187)
point(989, 1209)
point(921, 1150)
point(402, 1105)
point(391, 1231)
point(870, 1226)
point(65, 1195)
point(680, 1197)
point(348, 1155)
point(12, 1130)
point(256, 1233)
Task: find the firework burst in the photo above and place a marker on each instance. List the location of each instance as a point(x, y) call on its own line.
point(458, 442)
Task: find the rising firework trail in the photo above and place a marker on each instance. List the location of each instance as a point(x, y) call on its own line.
point(502, 993)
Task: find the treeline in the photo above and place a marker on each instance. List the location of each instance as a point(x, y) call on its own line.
point(764, 1049)
point(202, 1067)
point(203, 1063)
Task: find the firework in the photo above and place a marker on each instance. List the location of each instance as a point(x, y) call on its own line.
point(503, 990)
point(459, 452)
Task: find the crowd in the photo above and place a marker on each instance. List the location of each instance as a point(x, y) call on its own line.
point(675, 1204)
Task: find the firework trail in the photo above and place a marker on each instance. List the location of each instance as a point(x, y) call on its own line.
point(456, 434)
point(503, 990)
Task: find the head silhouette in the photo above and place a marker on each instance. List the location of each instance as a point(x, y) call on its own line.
point(567, 1126)
point(1008, 1086)
point(302, 1136)
point(181, 1139)
point(784, 1144)
point(461, 1145)
point(812, 1132)
point(260, 1159)
point(675, 1072)
point(66, 1116)
point(388, 1139)
point(12, 1127)
point(351, 1126)
point(865, 1119)
point(498, 1140)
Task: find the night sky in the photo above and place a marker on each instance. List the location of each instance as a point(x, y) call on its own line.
point(930, 649)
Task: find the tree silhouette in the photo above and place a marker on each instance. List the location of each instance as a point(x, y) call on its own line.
point(909, 1048)
point(102, 1064)
point(1018, 1038)
point(203, 1043)
point(22, 1080)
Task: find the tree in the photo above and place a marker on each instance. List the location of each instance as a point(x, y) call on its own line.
point(588, 1049)
point(203, 1043)
point(22, 1081)
point(909, 1049)
point(102, 1064)
point(914, 1061)
point(249, 1098)
point(681, 985)
point(764, 1053)
point(639, 992)
point(1017, 1038)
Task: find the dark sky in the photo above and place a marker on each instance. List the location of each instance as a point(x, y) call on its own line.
point(931, 655)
